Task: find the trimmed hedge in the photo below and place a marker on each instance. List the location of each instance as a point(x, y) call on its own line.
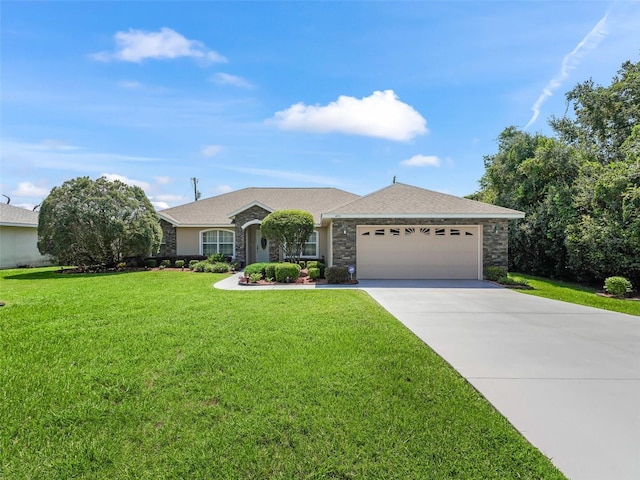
point(314, 273)
point(316, 264)
point(255, 268)
point(270, 271)
point(284, 271)
point(337, 274)
point(179, 263)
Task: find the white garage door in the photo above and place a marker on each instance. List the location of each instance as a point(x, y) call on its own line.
point(418, 252)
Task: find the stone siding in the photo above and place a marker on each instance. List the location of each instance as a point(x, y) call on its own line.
point(252, 213)
point(495, 250)
point(169, 236)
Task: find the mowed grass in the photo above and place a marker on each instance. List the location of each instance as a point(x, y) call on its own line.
point(158, 375)
point(575, 293)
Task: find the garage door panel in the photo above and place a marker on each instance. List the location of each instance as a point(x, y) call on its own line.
point(418, 252)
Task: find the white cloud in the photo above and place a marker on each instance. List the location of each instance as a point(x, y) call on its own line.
point(380, 115)
point(570, 62)
point(160, 205)
point(138, 45)
point(163, 180)
point(138, 183)
point(167, 197)
point(228, 79)
point(223, 189)
point(211, 150)
point(421, 161)
point(28, 189)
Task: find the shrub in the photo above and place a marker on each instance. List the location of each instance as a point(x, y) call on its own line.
point(495, 273)
point(255, 267)
point(617, 286)
point(179, 263)
point(316, 264)
point(165, 263)
point(235, 266)
point(199, 266)
point(270, 270)
point(151, 263)
point(302, 264)
point(314, 273)
point(220, 267)
point(193, 263)
point(286, 271)
point(255, 277)
point(216, 258)
point(337, 274)
point(121, 265)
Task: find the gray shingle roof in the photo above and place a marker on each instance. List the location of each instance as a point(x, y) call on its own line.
point(400, 200)
point(214, 211)
point(17, 216)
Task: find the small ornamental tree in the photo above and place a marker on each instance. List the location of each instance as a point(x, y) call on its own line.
point(86, 223)
point(289, 229)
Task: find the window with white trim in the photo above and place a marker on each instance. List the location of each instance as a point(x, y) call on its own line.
point(310, 248)
point(218, 241)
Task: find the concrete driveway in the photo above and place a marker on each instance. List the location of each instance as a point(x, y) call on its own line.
point(566, 376)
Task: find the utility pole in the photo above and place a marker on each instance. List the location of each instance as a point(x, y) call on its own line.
point(196, 193)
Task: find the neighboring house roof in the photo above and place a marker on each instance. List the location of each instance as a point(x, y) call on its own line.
point(11, 216)
point(405, 201)
point(219, 210)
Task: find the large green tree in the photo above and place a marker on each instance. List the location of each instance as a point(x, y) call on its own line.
point(88, 222)
point(580, 190)
point(534, 174)
point(289, 229)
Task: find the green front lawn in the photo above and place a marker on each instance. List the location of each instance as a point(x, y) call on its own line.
point(575, 293)
point(158, 375)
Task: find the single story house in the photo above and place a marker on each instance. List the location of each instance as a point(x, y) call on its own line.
point(398, 232)
point(19, 238)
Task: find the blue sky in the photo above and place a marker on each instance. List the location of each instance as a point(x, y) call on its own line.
point(305, 94)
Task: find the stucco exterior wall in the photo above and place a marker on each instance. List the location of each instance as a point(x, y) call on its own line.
point(495, 249)
point(19, 247)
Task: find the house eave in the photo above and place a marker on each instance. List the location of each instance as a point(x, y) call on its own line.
point(332, 216)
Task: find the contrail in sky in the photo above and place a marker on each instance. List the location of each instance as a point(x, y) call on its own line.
point(570, 62)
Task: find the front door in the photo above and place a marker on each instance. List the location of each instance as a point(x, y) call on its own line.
point(262, 247)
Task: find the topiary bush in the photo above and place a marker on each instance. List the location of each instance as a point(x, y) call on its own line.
point(617, 286)
point(314, 273)
point(255, 268)
point(337, 274)
point(287, 272)
point(495, 273)
point(179, 263)
point(270, 270)
point(151, 263)
point(193, 263)
point(316, 264)
point(165, 263)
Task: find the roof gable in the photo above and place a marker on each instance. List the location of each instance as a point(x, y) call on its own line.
point(405, 201)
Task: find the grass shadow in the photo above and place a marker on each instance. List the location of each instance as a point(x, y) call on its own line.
point(57, 274)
